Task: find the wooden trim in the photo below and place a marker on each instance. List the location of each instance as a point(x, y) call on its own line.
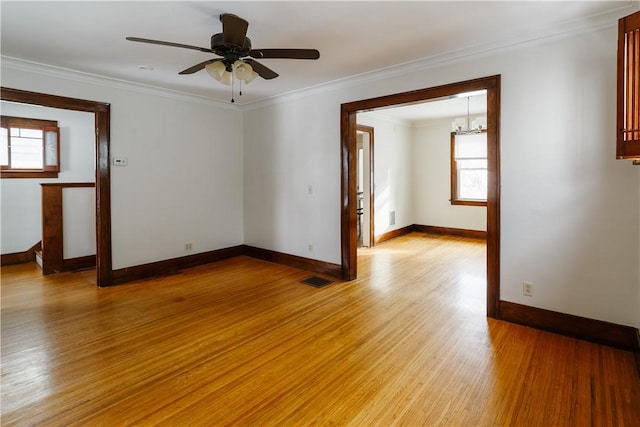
point(453, 171)
point(174, 265)
point(316, 266)
point(628, 104)
point(52, 229)
point(394, 233)
point(348, 113)
point(370, 131)
point(619, 336)
point(52, 232)
point(102, 113)
point(21, 257)
point(636, 350)
point(348, 202)
point(69, 184)
point(27, 174)
point(447, 231)
point(78, 263)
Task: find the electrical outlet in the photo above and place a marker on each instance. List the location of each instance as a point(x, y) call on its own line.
point(527, 289)
point(188, 246)
point(310, 248)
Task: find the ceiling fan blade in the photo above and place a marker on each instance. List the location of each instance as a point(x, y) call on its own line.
point(285, 53)
point(234, 29)
point(185, 46)
point(264, 72)
point(198, 67)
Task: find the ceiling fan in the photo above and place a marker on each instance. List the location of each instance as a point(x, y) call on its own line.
point(237, 57)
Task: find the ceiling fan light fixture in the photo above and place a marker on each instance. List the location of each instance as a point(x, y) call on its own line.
point(215, 70)
point(244, 71)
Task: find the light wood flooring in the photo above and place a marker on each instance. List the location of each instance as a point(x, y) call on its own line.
point(242, 342)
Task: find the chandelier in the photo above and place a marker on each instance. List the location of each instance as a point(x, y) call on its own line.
point(226, 73)
point(464, 126)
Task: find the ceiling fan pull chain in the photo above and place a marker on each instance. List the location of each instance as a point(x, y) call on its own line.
point(232, 79)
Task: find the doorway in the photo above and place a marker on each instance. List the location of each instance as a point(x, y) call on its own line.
point(102, 114)
point(365, 186)
point(349, 173)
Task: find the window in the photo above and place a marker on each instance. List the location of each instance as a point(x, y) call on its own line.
point(29, 148)
point(469, 169)
point(628, 122)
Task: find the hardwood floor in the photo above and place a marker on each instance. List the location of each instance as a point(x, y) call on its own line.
point(242, 342)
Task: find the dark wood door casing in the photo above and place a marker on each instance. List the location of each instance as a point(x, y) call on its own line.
point(102, 114)
point(348, 150)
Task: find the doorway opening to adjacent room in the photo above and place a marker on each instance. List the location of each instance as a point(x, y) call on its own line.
point(102, 115)
point(349, 190)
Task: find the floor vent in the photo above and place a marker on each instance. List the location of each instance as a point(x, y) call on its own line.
point(316, 281)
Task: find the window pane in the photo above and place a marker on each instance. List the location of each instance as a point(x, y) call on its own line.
point(26, 153)
point(472, 184)
point(472, 146)
point(4, 147)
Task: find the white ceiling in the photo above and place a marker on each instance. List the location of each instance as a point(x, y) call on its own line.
point(353, 37)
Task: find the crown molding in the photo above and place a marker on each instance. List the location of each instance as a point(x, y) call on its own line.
point(22, 65)
point(564, 30)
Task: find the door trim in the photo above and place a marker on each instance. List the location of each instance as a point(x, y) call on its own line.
point(348, 158)
point(369, 130)
point(102, 114)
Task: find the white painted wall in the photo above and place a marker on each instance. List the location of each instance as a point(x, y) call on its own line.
point(392, 172)
point(569, 219)
point(183, 183)
point(22, 198)
point(78, 222)
point(431, 180)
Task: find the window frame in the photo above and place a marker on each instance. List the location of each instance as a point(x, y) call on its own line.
point(454, 178)
point(47, 171)
point(628, 100)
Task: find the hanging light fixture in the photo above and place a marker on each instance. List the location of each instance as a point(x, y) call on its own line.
point(226, 73)
point(462, 126)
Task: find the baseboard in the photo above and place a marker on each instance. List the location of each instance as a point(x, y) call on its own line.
point(20, 257)
point(619, 336)
point(448, 231)
point(171, 266)
point(79, 263)
point(174, 265)
point(320, 267)
point(637, 351)
point(431, 229)
point(394, 233)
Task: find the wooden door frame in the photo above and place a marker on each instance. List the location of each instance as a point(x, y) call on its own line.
point(102, 116)
point(369, 130)
point(348, 157)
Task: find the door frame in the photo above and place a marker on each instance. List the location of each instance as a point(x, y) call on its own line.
point(102, 115)
point(348, 158)
point(369, 131)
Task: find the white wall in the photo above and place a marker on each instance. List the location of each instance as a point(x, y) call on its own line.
point(183, 183)
point(392, 172)
point(569, 218)
point(22, 197)
point(431, 180)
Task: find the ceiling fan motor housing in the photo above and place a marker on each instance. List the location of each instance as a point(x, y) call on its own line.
point(217, 44)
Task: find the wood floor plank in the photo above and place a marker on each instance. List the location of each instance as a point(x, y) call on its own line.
point(243, 342)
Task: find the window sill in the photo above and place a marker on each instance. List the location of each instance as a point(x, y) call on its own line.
point(28, 174)
point(469, 202)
